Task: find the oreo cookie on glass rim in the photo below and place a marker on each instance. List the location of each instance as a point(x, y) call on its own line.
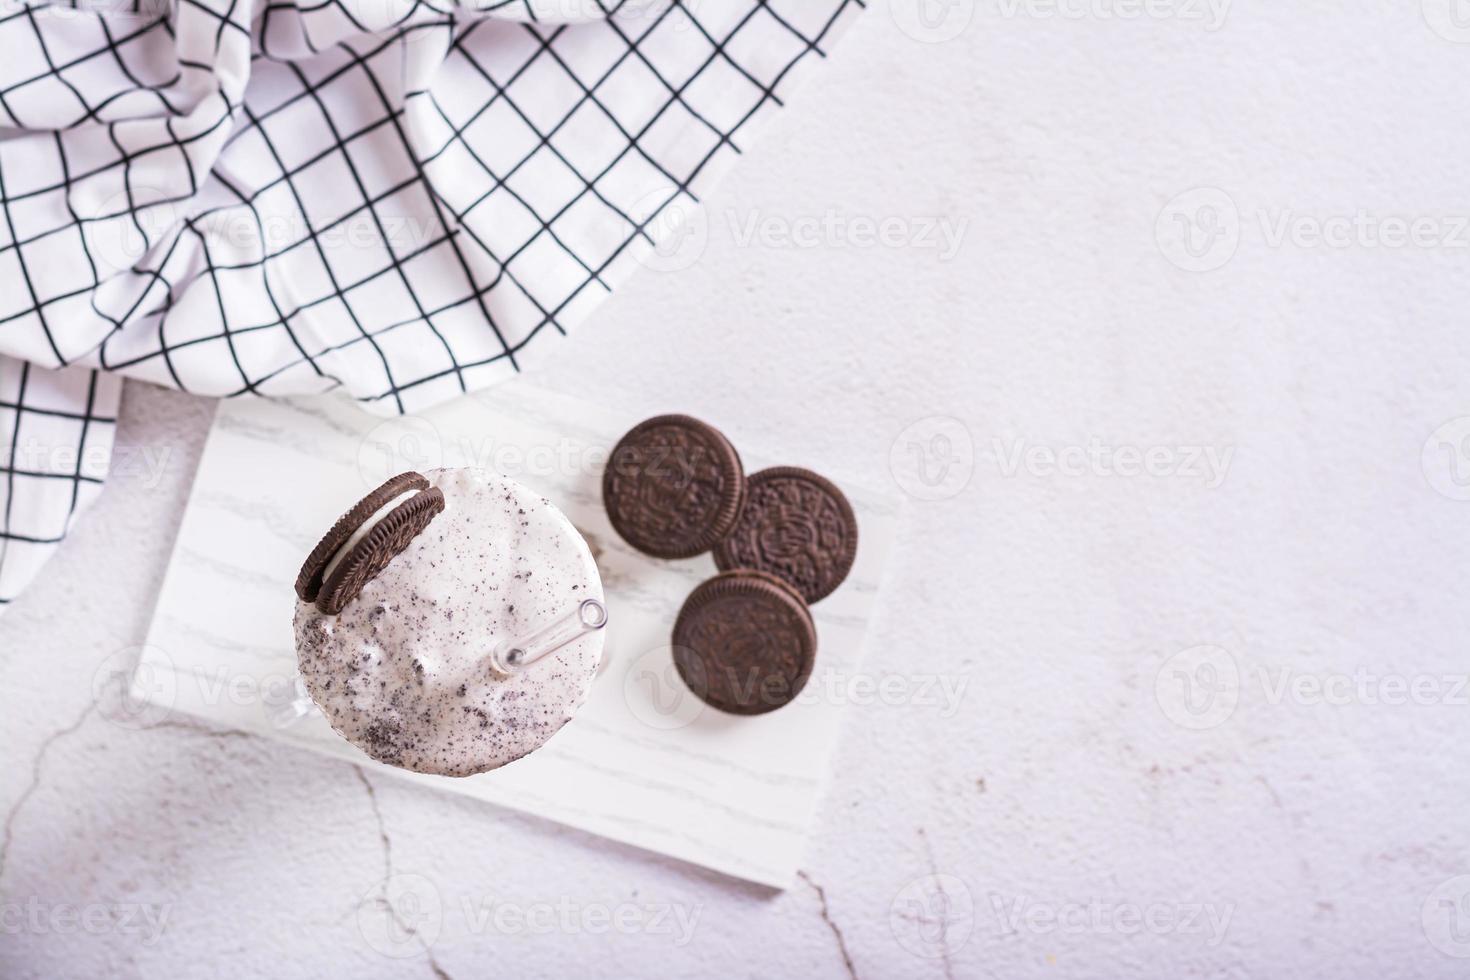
point(745, 642)
point(365, 539)
point(673, 487)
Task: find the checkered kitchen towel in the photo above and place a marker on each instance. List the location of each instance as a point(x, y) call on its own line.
point(391, 197)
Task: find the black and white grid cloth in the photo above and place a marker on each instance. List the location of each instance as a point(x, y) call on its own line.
point(389, 197)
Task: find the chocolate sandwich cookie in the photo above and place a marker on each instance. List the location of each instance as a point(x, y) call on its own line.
point(309, 580)
point(365, 539)
point(673, 486)
point(797, 525)
point(745, 642)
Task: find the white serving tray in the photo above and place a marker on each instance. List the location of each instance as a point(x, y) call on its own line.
point(643, 762)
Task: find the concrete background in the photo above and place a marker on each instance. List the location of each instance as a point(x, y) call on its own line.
point(1211, 710)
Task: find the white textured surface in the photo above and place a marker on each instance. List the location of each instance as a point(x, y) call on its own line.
point(1325, 828)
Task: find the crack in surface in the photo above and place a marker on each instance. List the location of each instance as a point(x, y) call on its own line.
point(372, 793)
point(387, 843)
point(831, 924)
point(36, 764)
point(934, 873)
point(201, 729)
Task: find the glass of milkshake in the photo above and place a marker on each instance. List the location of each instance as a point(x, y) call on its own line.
point(450, 623)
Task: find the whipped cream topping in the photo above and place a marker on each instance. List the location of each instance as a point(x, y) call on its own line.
point(403, 671)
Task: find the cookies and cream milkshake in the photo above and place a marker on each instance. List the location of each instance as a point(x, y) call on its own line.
point(411, 610)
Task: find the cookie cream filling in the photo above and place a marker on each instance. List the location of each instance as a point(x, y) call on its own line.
point(363, 530)
point(403, 671)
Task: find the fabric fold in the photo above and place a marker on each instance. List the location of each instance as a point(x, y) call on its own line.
point(394, 198)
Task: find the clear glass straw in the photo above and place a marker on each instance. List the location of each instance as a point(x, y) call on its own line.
point(515, 655)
